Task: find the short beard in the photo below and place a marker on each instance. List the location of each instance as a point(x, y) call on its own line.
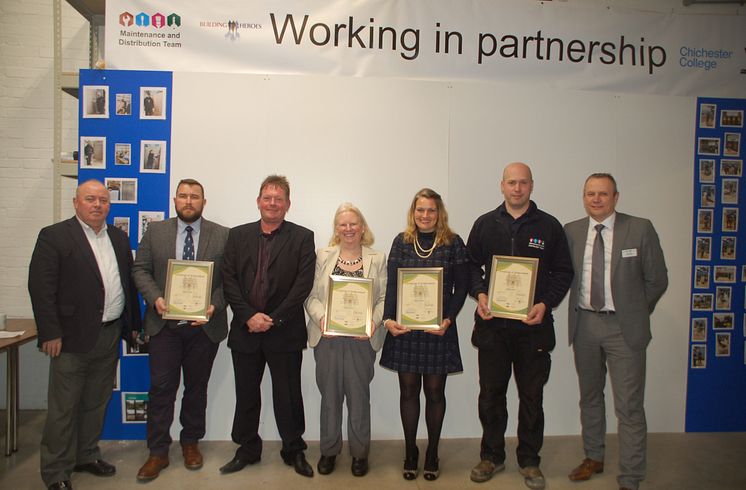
point(197, 216)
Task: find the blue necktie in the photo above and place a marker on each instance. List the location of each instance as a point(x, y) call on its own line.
point(188, 253)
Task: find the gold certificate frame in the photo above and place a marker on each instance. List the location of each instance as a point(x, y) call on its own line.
point(188, 289)
point(512, 286)
point(419, 298)
point(349, 307)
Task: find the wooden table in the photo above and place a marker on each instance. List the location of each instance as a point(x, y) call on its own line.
point(11, 397)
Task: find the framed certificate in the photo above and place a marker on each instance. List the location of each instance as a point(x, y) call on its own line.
point(512, 286)
point(419, 300)
point(188, 289)
point(349, 307)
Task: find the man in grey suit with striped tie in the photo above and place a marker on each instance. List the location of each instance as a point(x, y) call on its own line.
point(620, 275)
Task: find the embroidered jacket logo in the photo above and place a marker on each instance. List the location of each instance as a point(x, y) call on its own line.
point(536, 243)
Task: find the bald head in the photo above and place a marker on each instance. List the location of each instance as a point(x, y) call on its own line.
point(516, 186)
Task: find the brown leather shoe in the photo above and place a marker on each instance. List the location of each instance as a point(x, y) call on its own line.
point(192, 456)
point(152, 468)
point(586, 470)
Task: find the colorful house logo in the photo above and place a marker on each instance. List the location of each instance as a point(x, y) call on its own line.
point(157, 20)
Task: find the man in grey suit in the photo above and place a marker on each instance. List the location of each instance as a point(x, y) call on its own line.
point(177, 346)
point(620, 275)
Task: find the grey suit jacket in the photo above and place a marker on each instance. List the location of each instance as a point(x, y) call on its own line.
point(151, 264)
point(374, 267)
point(638, 275)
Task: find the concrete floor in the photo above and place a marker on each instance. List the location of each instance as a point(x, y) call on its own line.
point(675, 461)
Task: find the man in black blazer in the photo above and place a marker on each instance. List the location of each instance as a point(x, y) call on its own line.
point(83, 301)
point(177, 346)
point(268, 271)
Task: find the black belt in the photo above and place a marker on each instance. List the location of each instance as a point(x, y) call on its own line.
point(110, 322)
point(602, 312)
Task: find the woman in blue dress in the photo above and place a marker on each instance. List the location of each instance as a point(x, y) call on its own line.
point(423, 359)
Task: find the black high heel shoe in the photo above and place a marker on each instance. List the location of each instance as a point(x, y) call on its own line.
point(410, 465)
point(431, 471)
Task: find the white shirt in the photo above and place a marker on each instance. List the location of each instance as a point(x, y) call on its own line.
point(106, 259)
point(607, 233)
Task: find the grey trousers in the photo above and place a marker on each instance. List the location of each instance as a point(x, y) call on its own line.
point(344, 370)
point(599, 344)
point(80, 387)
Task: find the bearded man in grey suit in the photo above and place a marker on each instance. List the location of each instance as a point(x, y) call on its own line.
point(176, 346)
point(620, 274)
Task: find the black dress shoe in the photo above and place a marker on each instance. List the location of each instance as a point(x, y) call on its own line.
point(301, 465)
point(98, 467)
point(326, 464)
point(359, 466)
point(237, 464)
point(60, 485)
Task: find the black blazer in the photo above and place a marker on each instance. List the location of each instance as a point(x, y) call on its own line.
point(290, 275)
point(67, 291)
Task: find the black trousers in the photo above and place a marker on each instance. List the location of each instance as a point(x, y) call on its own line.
point(248, 369)
point(172, 351)
point(526, 353)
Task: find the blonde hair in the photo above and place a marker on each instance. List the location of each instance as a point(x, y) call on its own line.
point(367, 239)
point(443, 233)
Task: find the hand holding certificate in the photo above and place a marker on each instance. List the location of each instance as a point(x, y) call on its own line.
point(512, 286)
point(188, 290)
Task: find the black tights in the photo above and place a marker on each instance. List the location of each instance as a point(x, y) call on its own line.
point(435, 409)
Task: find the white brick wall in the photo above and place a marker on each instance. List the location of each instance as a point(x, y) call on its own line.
point(26, 139)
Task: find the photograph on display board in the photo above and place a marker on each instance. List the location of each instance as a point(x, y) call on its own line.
point(729, 193)
point(702, 277)
point(730, 219)
point(732, 145)
point(123, 223)
point(124, 104)
point(743, 275)
point(722, 344)
point(145, 218)
point(153, 157)
point(707, 170)
point(723, 321)
point(117, 379)
point(122, 191)
point(731, 119)
point(699, 356)
point(92, 152)
point(137, 348)
point(728, 248)
point(699, 329)
point(95, 101)
point(704, 220)
point(722, 297)
point(707, 115)
point(731, 168)
point(703, 249)
point(702, 302)
point(725, 273)
point(708, 146)
point(122, 153)
point(134, 407)
point(152, 102)
point(707, 199)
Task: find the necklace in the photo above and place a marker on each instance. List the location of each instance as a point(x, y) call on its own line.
point(350, 262)
point(418, 248)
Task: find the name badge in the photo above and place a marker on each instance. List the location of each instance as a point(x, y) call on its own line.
point(630, 252)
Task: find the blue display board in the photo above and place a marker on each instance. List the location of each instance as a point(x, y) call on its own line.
point(716, 385)
point(125, 142)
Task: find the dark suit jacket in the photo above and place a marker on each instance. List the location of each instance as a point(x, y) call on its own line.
point(151, 265)
point(290, 277)
point(67, 291)
point(638, 275)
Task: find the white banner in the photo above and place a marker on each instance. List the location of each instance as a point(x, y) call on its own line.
point(555, 45)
